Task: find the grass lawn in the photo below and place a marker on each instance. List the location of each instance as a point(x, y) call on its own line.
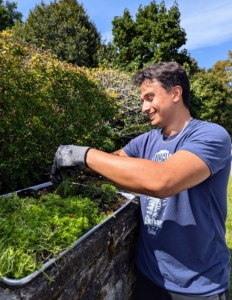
point(229, 225)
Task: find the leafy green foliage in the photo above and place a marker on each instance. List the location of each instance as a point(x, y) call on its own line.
point(211, 100)
point(129, 119)
point(63, 27)
point(104, 195)
point(45, 103)
point(8, 14)
point(35, 229)
point(154, 36)
point(107, 56)
point(223, 69)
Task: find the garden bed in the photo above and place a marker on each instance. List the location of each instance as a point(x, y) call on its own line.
point(108, 210)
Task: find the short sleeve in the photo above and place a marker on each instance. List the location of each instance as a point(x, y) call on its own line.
point(211, 143)
point(142, 146)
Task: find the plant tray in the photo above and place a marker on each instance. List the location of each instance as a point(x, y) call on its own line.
point(29, 278)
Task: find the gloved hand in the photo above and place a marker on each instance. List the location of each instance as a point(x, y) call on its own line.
point(70, 157)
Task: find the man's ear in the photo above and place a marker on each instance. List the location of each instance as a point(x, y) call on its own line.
point(177, 93)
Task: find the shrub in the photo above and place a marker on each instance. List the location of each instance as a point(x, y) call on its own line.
point(45, 103)
point(211, 100)
point(130, 120)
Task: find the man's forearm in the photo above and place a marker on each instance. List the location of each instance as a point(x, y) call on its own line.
point(119, 152)
point(121, 169)
point(179, 172)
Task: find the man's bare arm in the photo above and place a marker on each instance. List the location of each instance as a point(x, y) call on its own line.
point(119, 152)
point(179, 172)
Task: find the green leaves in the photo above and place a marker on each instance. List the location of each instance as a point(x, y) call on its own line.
point(33, 230)
point(8, 14)
point(63, 27)
point(223, 69)
point(44, 103)
point(211, 100)
point(129, 119)
point(155, 35)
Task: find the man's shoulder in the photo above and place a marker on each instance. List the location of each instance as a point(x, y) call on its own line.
point(206, 135)
point(208, 128)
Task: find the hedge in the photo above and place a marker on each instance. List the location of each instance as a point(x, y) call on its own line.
point(45, 103)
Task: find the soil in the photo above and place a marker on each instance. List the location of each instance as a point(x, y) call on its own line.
point(113, 206)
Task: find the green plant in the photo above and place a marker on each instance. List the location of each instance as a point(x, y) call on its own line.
point(155, 35)
point(103, 195)
point(223, 70)
point(8, 14)
point(45, 103)
point(129, 119)
point(211, 100)
point(64, 27)
point(35, 229)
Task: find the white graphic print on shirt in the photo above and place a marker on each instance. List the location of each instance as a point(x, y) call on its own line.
point(155, 209)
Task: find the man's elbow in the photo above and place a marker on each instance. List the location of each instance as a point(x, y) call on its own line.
point(160, 190)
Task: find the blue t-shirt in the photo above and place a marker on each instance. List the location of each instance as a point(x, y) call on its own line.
point(182, 244)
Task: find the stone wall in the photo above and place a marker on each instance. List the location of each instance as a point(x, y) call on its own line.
point(100, 267)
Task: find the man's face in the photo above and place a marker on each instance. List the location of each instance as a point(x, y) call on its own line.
point(158, 104)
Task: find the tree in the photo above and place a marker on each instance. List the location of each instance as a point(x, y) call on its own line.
point(107, 55)
point(211, 100)
point(64, 27)
point(8, 14)
point(223, 70)
point(154, 36)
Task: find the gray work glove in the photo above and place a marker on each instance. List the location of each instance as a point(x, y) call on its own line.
point(68, 157)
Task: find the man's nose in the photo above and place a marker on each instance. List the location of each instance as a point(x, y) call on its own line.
point(146, 106)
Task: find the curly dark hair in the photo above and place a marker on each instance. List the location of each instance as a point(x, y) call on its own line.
point(169, 74)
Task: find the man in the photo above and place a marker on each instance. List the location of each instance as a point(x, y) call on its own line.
point(181, 171)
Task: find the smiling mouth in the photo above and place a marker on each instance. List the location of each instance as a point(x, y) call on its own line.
point(151, 115)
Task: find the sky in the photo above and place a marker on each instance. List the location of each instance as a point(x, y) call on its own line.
point(207, 23)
